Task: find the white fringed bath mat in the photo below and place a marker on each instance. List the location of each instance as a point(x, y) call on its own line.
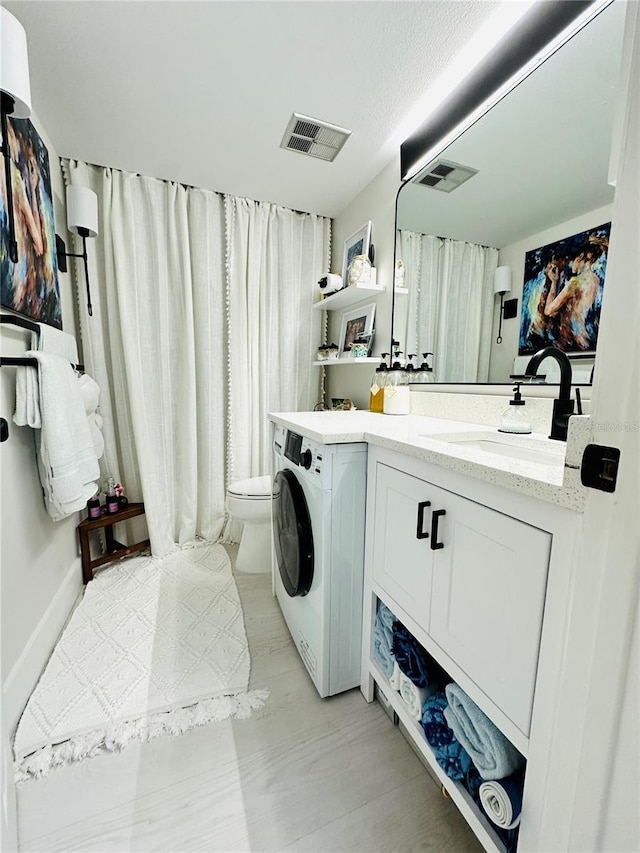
point(155, 647)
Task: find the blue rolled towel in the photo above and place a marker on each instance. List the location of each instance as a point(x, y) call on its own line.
point(453, 759)
point(502, 799)
point(382, 648)
point(491, 752)
point(435, 727)
point(410, 656)
point(473, 782)
point(385, 615)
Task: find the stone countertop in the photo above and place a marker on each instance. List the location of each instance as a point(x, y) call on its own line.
point(434, 440)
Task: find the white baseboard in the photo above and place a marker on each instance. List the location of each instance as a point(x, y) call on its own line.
point(24, 674)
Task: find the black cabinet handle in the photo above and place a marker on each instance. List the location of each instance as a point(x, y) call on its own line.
point(421, 533)
point(435, 518)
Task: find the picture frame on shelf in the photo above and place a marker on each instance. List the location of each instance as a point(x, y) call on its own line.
point(355, 323)
point(357, 244)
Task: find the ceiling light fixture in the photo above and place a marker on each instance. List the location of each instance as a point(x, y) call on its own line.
point(15, 100)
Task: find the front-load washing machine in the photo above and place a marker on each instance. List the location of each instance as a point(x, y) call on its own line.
point(318, 510)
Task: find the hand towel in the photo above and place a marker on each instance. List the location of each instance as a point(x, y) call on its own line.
point(67, 462)
point(491, 752)
point(382, 649)
point(413, 697)
point(434, 725)
point(502, 800)
point(410, 656)
point(386, 616)
point(55, 342)
point(27, 411)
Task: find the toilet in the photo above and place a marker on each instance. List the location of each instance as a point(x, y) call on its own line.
point(249, 501)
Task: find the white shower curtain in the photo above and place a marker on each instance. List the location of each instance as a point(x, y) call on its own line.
point(163, 291)
point(451, 303)
point(276, 259)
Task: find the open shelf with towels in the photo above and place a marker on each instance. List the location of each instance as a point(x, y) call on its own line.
point(477, 821)
point(349, 296)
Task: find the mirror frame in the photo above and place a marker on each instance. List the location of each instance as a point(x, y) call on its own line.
point(543, 30)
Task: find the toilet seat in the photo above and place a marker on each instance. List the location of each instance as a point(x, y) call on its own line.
point(253, 489)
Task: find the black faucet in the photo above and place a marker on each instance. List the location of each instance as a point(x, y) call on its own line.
point(563, 405)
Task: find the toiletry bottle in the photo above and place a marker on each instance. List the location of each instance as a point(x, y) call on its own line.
point(93, 506)
point(514, 418)
point(112, 498)
point(397, 397)
point(379, 380)
point(425, 372)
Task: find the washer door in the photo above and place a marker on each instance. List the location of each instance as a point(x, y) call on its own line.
point(292, 534)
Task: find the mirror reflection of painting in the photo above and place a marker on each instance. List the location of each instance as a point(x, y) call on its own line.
point(562, 295)
point(31, 286)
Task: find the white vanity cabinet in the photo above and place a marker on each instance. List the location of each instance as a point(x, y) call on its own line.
point(464, 565)
point(470, 578)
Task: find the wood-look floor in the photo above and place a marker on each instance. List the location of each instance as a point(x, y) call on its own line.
point(303, 774)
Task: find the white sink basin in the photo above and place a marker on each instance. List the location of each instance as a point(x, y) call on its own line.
point(525, 448)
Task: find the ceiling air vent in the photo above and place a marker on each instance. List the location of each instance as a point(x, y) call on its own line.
point(444, 176)
point(313, 137)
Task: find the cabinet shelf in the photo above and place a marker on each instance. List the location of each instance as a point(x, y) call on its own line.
point(348, 296)
point(342, 361)
point(478, 823)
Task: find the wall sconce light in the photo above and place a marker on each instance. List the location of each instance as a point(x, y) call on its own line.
point(82, 219)
point(502, 285)
point(15, 100)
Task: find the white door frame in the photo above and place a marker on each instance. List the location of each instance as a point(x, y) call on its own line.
point(580, 774)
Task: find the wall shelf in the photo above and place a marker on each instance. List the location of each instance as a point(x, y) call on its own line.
point(343, 361)
point(348, 296)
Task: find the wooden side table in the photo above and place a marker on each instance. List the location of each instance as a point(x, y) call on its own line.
point(115, 550)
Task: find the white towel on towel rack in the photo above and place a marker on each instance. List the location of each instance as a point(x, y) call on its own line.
point(55, 342)
point(27, 411)
point(67, 461)
point(90, 392)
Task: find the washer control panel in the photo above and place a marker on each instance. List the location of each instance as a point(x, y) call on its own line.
point(304, 455)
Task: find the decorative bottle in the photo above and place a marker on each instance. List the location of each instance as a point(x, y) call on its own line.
point(112, 498)
point(93, 506)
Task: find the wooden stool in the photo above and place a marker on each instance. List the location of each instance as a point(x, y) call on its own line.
point(115, 550)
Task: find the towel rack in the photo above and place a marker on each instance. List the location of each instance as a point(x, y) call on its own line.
point(30, 326)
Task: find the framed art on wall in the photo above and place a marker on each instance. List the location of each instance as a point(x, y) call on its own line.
point(356, 323)
point(30, 286)
point(357, 244)
point(562, 293)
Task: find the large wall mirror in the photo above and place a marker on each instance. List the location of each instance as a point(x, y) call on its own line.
point(531, 174)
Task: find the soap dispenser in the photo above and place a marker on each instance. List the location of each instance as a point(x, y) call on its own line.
point(397, 396)
point(425, 372)
point(378, 382)
point(514, 418)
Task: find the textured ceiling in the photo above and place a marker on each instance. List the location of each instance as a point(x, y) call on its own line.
point(201, 92)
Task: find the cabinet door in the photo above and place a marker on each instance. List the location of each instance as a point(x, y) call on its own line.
point(489, 582)
point(401, 561)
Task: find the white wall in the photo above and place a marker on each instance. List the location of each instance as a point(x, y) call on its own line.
point(377, 202)
point(40, 574)
point(502, 355)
